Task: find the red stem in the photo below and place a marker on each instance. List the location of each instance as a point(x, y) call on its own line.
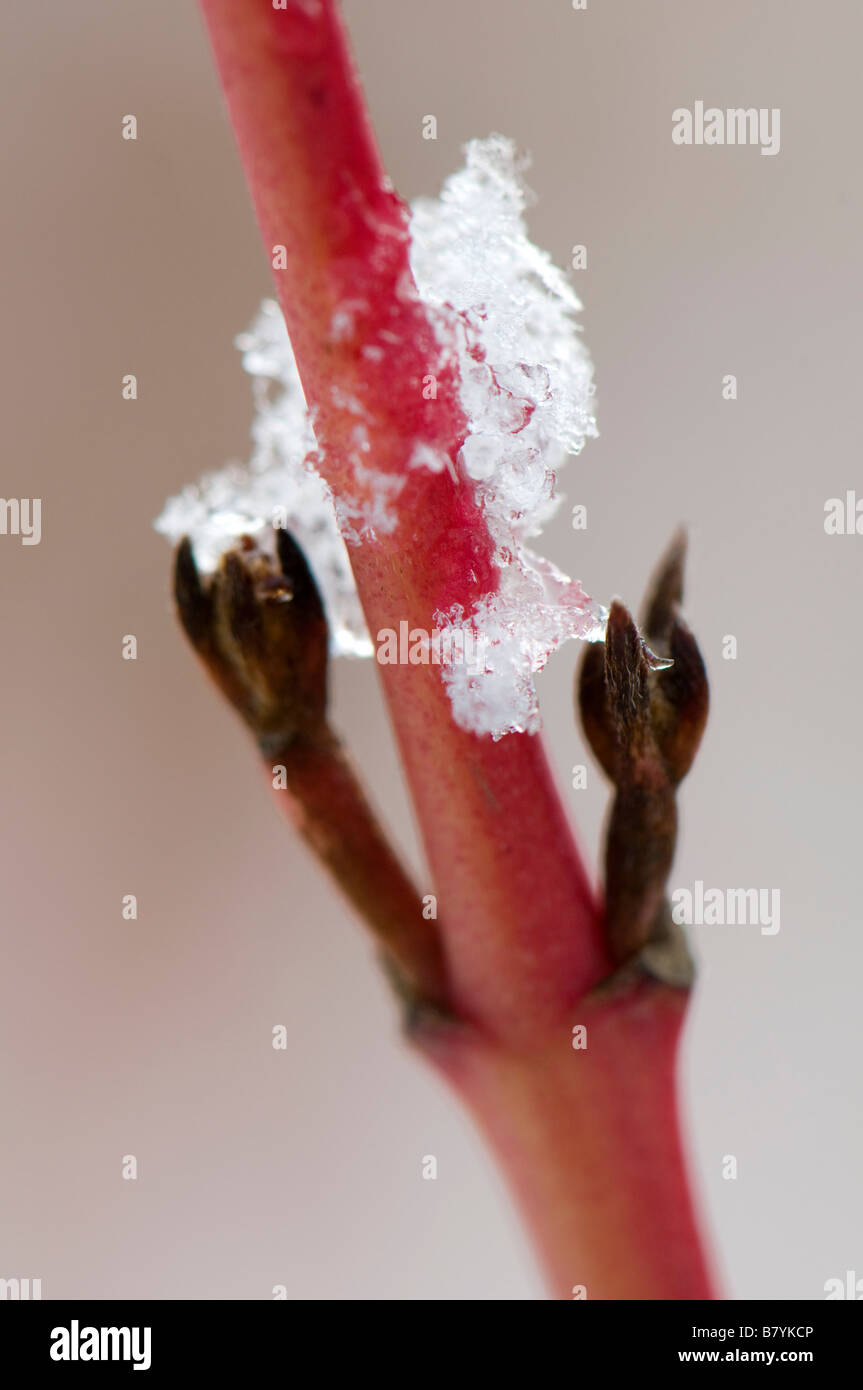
point(590, 1139)
point(591, 1142)
point(520, 915)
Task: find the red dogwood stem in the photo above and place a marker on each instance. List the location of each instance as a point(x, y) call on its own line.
point(590, 1141)
point(520, 913)
point(593, 1149)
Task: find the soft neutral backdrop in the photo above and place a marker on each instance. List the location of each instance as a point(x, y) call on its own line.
point(152, 1038)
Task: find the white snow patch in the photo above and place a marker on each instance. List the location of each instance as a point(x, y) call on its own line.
point(527, 391)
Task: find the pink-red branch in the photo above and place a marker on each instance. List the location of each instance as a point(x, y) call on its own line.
point(590, 1138)
point(521, 918)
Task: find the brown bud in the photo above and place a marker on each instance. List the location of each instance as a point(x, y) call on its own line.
point(258, 625)
point(643, 824)
point(624, 685)
point(644, 710)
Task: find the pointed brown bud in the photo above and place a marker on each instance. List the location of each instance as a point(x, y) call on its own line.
point(258, 625)
point(644, 710)
point(643, 824)
point(623, 684)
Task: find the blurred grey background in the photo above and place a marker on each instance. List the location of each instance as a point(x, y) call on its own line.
point(152, 1038)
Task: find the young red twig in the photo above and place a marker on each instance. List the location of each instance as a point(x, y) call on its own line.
point(589, 1135)
point(513, 888)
